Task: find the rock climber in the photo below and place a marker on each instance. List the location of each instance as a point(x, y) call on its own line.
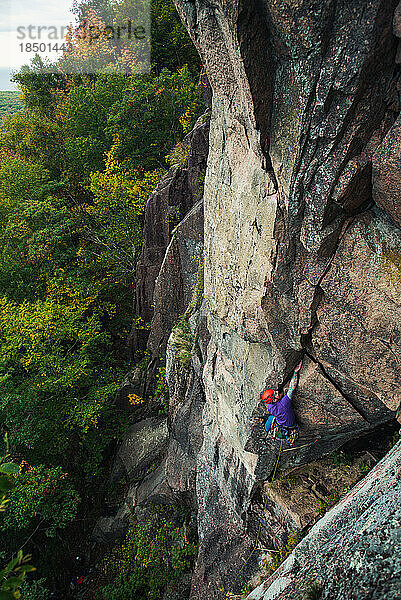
point(278, 405)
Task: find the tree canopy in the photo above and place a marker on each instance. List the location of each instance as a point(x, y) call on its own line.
point(77, 165)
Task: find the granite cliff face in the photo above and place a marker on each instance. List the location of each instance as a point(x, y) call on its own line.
point(302, 258)
point(302, 239)
point(354, 551)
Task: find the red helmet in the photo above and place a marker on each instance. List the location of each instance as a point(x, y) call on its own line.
point(268, 397)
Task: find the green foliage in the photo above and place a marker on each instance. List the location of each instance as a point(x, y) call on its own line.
point(154, 555)
point(161, 391)
point(114, 224)
point(179, 155)
point(144, 363)
point(53, 380)
point(140, 324)
point(137, 118)
point(171, 45)
point(38, 89)
point(65, 298)
point(82, 120)
point(21, 179)
point(365, 467)
point(6, 482)
point(35, 590)
point(12, 576)
point(329, 501)
point(198, 290)
point(32, 136)
point(183, 341)
point(293, 540)
point(9, 103)
point(77, 165)
point(61, 270)
point(40, 494)
point(200, 182)
point(287, 480)
point(153, 113)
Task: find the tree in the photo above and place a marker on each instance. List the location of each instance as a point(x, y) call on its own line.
point(12, 576)
point(77, 165)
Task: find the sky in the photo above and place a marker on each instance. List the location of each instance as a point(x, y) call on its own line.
point(15, 18)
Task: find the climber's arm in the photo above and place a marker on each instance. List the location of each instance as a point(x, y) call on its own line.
point(294, 381)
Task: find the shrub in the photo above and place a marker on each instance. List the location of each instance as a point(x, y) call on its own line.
point(329, 501)
point(200, 182)
point(12, 576)
point(179, 155)
point(183, 341)
point(154, 555)
point(35, 590)
point(365, 468)
point(341, 458)
point(161, 391)
point(293, 540)
point(198, 290)
point(40, 493)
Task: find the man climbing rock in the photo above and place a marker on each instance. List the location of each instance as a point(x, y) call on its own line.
point(278, 405)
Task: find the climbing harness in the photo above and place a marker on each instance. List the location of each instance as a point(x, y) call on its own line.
point(281, 432)
point(229, 593)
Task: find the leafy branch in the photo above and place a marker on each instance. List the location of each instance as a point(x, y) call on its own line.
point(13, 574)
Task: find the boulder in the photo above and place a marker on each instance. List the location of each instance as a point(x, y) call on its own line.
point(109, 530)
point(154, 489)
point(142, 449)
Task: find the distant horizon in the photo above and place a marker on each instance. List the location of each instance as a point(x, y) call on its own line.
point(17, 14)
point(6, 85)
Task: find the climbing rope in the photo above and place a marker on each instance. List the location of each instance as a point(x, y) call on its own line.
point(230, 593)
point(303, 445)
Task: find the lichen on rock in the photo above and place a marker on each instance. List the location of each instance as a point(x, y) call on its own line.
point(301, 247)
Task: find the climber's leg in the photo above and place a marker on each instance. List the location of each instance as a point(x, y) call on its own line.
point(269, 423)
